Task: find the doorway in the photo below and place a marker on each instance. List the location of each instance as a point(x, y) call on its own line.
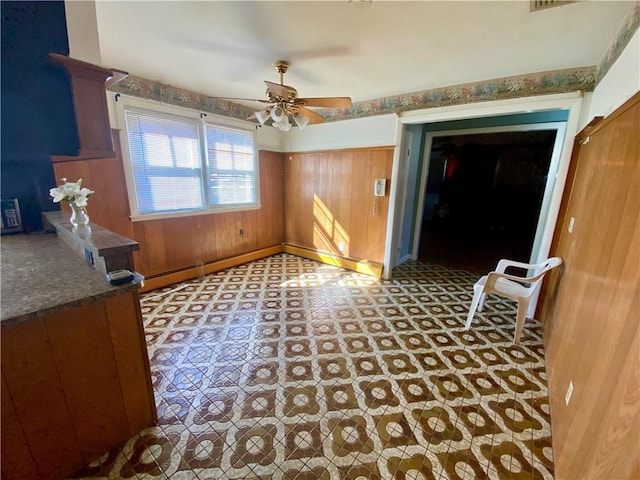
point(484, 195)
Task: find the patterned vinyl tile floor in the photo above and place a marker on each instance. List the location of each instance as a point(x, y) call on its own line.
point(287, 369)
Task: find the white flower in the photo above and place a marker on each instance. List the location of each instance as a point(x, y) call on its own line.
point(82, 196)
point(57, 194)
point(71, 192)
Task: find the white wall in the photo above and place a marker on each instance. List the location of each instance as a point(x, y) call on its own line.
point(620, 83)
point(82, 29)
point(376, 131)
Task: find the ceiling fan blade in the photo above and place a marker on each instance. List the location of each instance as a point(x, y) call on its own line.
point(277, 90)
point(313, 116)
point(328, 102)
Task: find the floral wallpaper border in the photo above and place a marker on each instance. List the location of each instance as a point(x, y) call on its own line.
point(542, 83)
point(160, 92)
point(629, 28)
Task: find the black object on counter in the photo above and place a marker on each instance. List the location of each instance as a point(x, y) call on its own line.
point(118, 277)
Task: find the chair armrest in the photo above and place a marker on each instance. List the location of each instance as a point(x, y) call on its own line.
point(493, 277)
point(504, 264)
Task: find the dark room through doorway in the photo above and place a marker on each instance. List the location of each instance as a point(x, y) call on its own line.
point(483, 197)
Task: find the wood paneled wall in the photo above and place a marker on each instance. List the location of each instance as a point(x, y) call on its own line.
point(329, 207)
point(592, 324)
point(172, 244)
point(75, 384)
point(329, 201)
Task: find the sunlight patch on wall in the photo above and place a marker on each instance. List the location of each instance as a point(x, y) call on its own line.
point(328, 234)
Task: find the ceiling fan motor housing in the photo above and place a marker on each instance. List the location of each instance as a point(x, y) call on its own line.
point(292, 94)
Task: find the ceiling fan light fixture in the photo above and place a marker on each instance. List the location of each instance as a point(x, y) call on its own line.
point(262, 116)
point(283, 126)
point(278, 114)
point(301, 120)
point(284, 101)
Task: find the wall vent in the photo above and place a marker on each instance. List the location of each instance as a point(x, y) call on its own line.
point(537, 5)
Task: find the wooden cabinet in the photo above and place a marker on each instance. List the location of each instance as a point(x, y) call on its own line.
point(88, 83)
point(592, 330)
point(75, 384)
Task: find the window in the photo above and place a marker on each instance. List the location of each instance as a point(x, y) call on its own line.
point(180, 164)
point(231, 166)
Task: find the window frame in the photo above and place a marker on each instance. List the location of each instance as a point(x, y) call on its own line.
point(207, 171)
point(122, 105)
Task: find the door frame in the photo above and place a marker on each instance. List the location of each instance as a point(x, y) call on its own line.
point(571, 101)
point(403, 172)
point(559, 127)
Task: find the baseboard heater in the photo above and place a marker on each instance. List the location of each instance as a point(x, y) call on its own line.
point(166, 279)
point(361, 266)
point(189, 273)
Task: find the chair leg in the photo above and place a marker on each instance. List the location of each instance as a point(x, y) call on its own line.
point(477, 293)
point(483, 297)
point(523, 305)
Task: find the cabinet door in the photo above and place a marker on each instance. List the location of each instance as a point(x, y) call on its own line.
point(592, 331)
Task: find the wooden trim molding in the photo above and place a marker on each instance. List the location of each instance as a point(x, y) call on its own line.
point(360, 266)
point(84, 155)
point(630, 103)
point(194, 272)
point(589, 128)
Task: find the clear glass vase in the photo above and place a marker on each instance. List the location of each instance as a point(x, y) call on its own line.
point(79, 215)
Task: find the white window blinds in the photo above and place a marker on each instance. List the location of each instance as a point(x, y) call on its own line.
point(182, 164)
point(166, 162)
point(231, 166)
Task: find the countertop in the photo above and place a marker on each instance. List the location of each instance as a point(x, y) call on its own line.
point(41, 275)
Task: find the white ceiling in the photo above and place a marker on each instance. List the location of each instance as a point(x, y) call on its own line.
point(337, 48)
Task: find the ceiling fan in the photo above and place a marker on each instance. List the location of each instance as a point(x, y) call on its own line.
point(285, 105)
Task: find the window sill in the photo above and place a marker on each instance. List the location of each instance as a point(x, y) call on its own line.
point(193, 213)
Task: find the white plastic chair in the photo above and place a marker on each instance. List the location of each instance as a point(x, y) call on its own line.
point(520, 289)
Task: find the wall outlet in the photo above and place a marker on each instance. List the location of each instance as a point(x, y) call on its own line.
point(567, 396)
point(242, 232)
point(571, 222)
